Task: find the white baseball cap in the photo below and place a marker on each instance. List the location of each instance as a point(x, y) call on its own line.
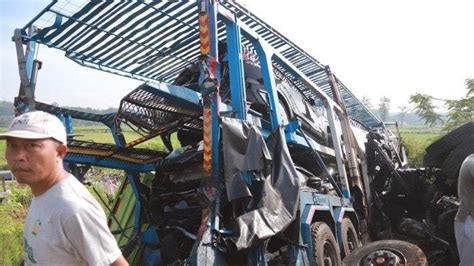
point(36, 125)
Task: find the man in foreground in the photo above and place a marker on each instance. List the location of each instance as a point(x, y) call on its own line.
point(464, 221)
point(65, 224)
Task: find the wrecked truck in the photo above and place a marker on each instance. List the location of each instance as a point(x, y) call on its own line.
point(268, 157)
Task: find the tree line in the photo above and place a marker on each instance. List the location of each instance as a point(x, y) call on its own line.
point(458, 112)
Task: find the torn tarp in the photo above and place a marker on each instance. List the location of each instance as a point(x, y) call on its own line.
point(273, 192)
point(244, 150)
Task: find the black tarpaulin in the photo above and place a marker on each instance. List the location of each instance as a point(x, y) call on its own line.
point(273, 191)
point(244, 151)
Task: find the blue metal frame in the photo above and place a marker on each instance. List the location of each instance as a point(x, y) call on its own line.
point(340, 213)
point(236, 70)
point(299, 66)
point(109, 163)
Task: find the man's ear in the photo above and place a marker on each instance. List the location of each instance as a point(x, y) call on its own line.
point(62, 150)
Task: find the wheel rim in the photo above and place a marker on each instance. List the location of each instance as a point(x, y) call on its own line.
point(329, 254)
point(384, 257)
point(351, 240)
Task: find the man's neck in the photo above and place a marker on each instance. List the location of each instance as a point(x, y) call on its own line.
point(43, 186)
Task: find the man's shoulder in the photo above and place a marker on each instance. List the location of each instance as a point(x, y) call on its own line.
point(71, 196)
point(71, 187)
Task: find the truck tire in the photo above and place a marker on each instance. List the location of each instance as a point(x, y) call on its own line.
point(350, 238)
point(453, 161)
point(387, 252)
point(436, 152)
point(325, 248)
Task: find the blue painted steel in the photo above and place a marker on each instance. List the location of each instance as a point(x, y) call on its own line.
point(236, 70)
point(67, 122)
point(160, 52)
point(215, 107)
point(30, 55)
point(216, 134)
point(306, 234)
point(176, 93)
point(322, 165)
point(69, 125)
point(38, 16)
point(108, 163)
point(150, 237)
point(269, 81)
point(339, 215)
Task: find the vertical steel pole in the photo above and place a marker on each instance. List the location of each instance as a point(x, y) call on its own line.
point(349, 141)
point(28, 67)
point(209, 81)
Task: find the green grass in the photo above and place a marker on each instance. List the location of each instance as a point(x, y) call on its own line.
point(416, 140)
point(3, 161)
point(102, 134)
point(12, 217)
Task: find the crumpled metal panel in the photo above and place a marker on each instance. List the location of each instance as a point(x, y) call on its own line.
point(273, 188)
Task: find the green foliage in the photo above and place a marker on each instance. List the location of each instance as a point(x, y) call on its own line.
point(461, 111)
point(425, 108)
point(99, 192)
point(21, 194)
point(12, 217)
point(3, 160)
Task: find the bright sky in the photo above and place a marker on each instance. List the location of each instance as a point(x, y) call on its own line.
point(377, 48)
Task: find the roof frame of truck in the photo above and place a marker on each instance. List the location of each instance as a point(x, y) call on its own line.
point(73, 33)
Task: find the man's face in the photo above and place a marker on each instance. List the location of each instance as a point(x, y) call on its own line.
point(33, 161)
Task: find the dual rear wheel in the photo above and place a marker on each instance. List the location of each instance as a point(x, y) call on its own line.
point(326, 251)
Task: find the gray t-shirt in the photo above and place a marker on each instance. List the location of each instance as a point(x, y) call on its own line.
point(466, 189)
point(67, 226)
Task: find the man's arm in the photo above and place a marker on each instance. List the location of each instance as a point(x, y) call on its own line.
point(120, 262)
point(90, 237)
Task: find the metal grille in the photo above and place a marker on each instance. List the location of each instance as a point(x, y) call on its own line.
point(102, 150)
point(104, 118)
point(147, 109)
point(156, 40)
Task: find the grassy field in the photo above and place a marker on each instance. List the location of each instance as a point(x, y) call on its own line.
point(12, 215)
point(3, 161)
point(102, 134)
point(416, 140)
